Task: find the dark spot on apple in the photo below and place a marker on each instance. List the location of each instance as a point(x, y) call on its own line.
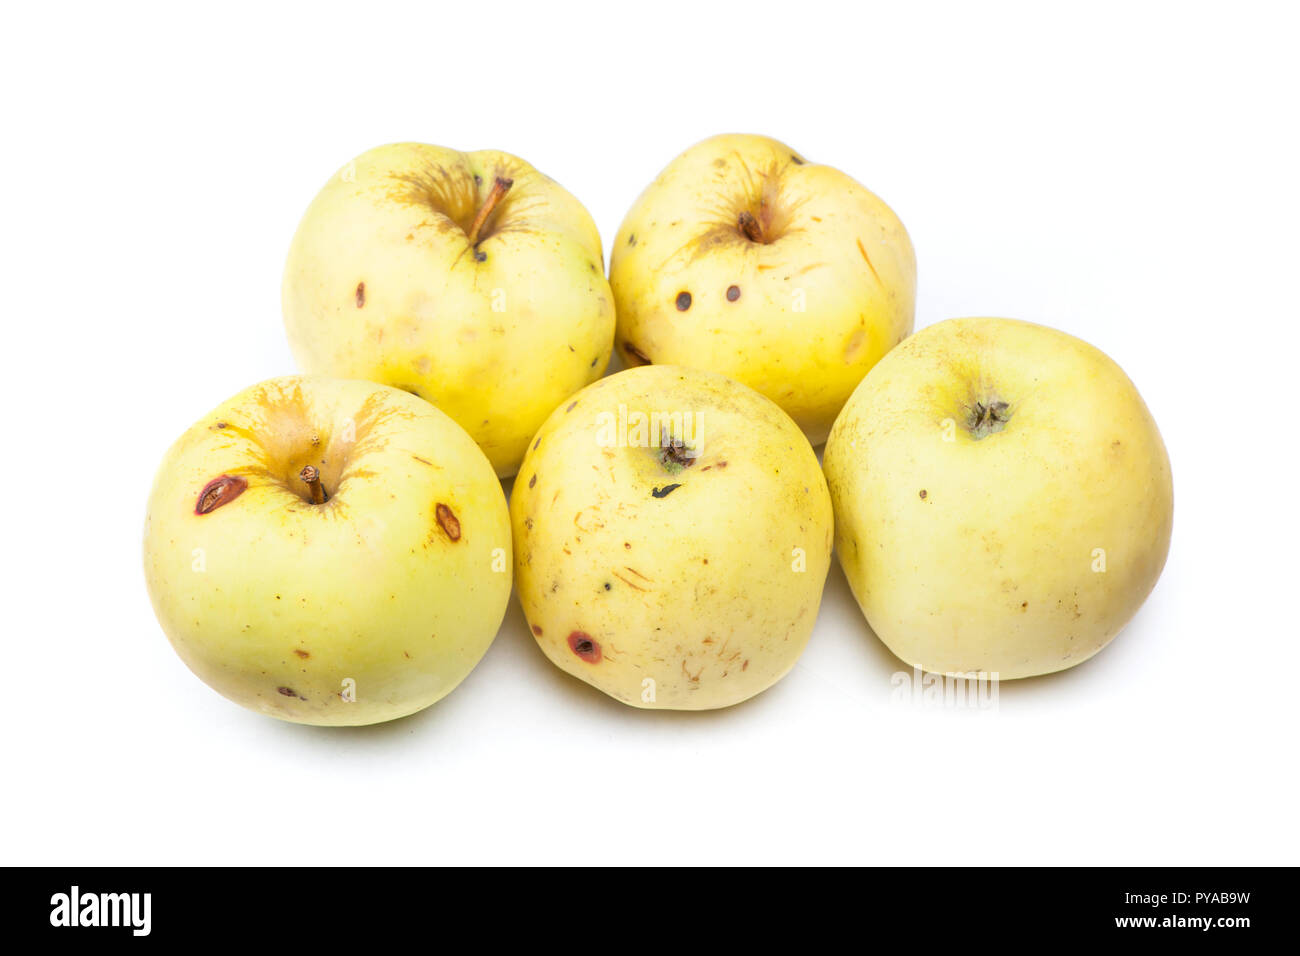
point(218, 492)
point(221, 425)
point(594, 361)
point(480, 255)
point(631, 240)
point(361, 294)
point(683, 301)
point(537, 630)
point(478, 180)
point(922, 493)
point(1024, 605)
point(449, 522)
point(628, 545)
point(796, 160)
point(536, 443)
point(733, 293)
point(533, 480)
point(635, 353)
point(580, 643)
point(570, 408)
point(301, 653)
point(745, 666)
point(289, 692)
point(665, 491)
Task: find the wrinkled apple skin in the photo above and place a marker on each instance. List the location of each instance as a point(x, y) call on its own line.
point(382, 283)
point(276, 602)
point(800, 318)
point(1016, 547)
point(708, 590)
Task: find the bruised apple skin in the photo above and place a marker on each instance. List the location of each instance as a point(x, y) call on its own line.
point(469, 279)
point(745, 258)
point(672, 538)
point(1003, 499)
point(328, 552)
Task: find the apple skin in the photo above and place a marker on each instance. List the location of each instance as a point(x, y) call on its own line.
point(294, 598)
point(382, 283)
point(624, 578)
point(801, 316)
point(972, 546)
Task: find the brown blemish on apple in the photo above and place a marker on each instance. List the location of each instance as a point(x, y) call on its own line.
point(854, 345)
point(537, 630)
point(745, 666)
point(425, 460)
point(533, 480)
point(289, 692)
point(635, 353)
point(448, 521)
point(733, 293)
point(361, 295)
point(218, 492)
point(570, 408)
point(796, 160)
point(683, 301)
point(631, 240)
point(581, 643)
point(301, 653)
point(1024, 605)
point(665, 491)
point(922, 494)
point(862, 249)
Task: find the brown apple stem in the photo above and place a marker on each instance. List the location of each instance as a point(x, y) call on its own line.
point(312, 476)
point(499, 189)
point(750, 227)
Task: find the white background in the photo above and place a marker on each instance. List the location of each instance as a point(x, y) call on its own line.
point(1127, 173)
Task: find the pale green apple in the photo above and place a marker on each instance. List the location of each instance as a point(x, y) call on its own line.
point(744, 258)
point(328, 552)
point(1003, 499)
point(469, 279)
point(672, 538)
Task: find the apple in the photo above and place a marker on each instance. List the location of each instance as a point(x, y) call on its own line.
point(468, 279)
point(328, 552)
point(1003, 499)
point(672, 535)
point(744, 258)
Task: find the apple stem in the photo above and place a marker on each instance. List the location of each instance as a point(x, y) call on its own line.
point(750, 226)
point(499, 189)
point(311, 475)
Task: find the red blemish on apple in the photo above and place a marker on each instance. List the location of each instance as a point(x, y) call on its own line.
point(218, 492)
point(449, 522)
point(301, 653)
point(361, 294)
point(580, 643)
point(537, 630)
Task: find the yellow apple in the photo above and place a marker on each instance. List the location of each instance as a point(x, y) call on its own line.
point(1003, 499)
point(744, 258)
point(469, 279)
point(328, 552)
point(672, 538)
